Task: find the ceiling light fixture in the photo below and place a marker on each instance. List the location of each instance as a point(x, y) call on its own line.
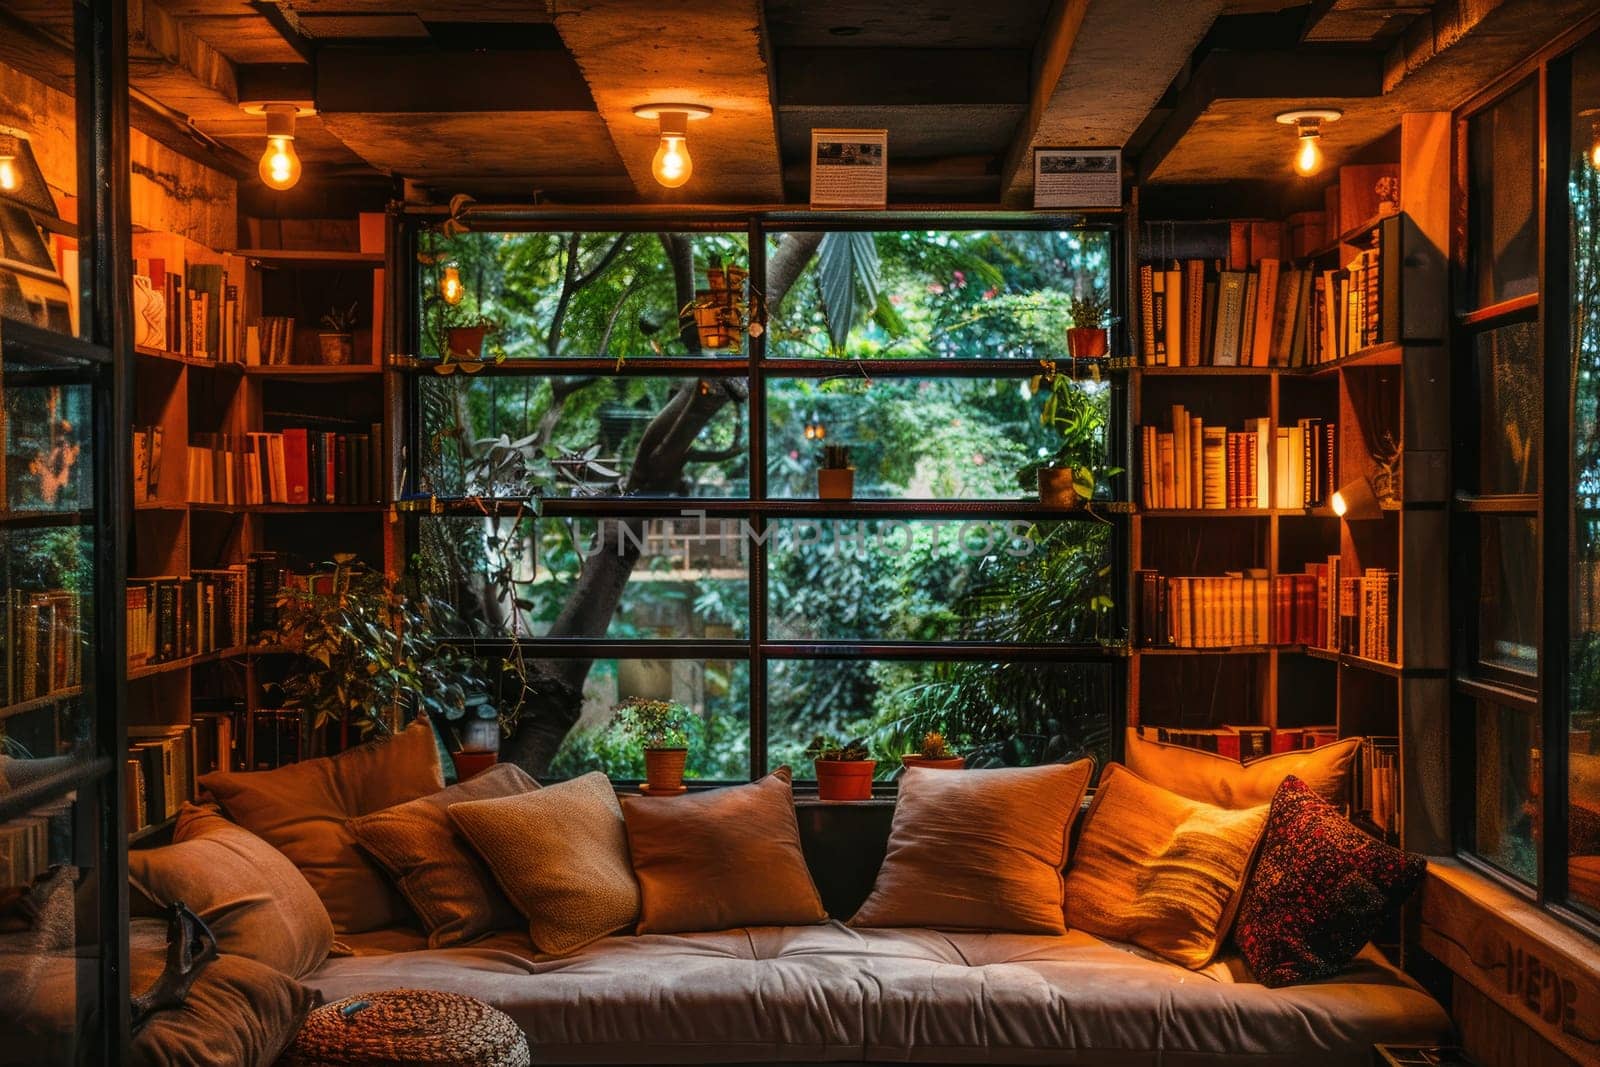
point(1308, 123)
point(280, 164)
point(1593, 115)
point(9, 178)
point(672, 165)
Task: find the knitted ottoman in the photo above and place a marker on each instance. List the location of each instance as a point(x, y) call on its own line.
point(405, 1027)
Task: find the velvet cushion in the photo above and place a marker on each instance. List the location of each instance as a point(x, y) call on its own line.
point(1320, 889)
point(253, 899)
point(301, 811)
point(1158, 869)
point(978, 850)
point(1227, 783)
point(443, 880)
point(238, 1012)
point(721, 859)
point(561, 855)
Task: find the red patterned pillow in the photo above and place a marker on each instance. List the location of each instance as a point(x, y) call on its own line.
point(1320, 889)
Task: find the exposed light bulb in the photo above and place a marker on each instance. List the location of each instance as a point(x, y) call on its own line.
point(280, 166)
point(1308, 123)
point(450, 288)
point(1336, 501)
point(1308, 159)
point(672, 165)
point(1594, 154)
point(10, 180)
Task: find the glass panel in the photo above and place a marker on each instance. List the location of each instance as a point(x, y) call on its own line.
point(1503, 198)
point(1508, 593)
point(45, 426)
point(1507, 785)
point(512, 436)
point(931, 438)
point(953, 579)
point(998, 714)
point(678, 577)
point(608, 295)
point(717, 693)
point(933, 294)
point(1511, 409)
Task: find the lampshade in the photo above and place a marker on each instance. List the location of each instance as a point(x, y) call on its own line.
point(27, 189)
point(1356, 502)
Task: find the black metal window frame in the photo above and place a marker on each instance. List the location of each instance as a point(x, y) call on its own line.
point(756, 367)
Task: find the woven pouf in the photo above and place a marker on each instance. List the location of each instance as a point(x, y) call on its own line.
point(409, 1028)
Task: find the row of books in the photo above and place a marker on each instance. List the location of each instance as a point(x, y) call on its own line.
point(270, 342)
point(165, 761)
point(1243, 743)
point(173, 617)
point(296, 466)
point(195, 316)
point(43, 650)
point(147, 445)
point(1378, 783)
point(25, 848)
point(1220, 612)
point(1196, 466)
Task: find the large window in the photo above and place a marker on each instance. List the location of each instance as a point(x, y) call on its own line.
point(625, 496)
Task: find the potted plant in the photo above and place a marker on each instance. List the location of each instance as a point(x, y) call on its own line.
point(658, 726)
point(1089, 335)
point(337, 340)
point(464, 334)
point(935, 754)
point(844, 771)
point(1067, 477)
point(836, 480)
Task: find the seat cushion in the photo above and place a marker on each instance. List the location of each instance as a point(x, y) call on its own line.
point(1227, 783)
point(301, 810)
point(831, 993)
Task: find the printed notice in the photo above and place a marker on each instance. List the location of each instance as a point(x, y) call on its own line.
point(850, 169)
point(1077, 177)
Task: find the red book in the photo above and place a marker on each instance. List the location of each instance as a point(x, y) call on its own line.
point(295, 466)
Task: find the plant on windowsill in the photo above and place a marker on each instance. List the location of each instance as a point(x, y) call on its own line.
point(1067, 477)
point(935, 754)
point(1089, 336)
point(836, 479)
point(844, 771)
point(337, 340)
point(658, 726)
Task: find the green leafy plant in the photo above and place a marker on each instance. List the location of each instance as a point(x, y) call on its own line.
point(653, 723)
point(934, 746)
point(1074, 411)
point(1091, 310)
point(831, 750)
point(835, 457)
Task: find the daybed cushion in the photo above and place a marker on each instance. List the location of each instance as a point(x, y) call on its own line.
point(1227, 783)
point(832, 993)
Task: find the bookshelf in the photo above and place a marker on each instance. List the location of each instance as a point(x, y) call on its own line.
point(1384, 382)
point(223, 502)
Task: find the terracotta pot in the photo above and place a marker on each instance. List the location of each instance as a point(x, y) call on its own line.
point(337, 348)
point(465, 342)
point(663, 768)
point(1088, 342)
point(1056, 489)
point(716, 279)
point(949, 763)
point(844, 779)
point(711, 323)
point(470, 763)
point(836, 484)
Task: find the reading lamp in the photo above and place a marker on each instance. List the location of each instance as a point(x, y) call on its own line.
point(1356, 501)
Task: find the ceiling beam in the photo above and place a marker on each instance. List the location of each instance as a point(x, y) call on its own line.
point(901, 77)
point(460, 81)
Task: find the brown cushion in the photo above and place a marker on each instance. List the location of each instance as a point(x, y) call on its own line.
point(561, 855)
point(238, 1012)
point(443, 880)
point(978, 850)
point(1158, 869)
point(1227, 783)
point(721, 859)
point(301, 810)
point(255, 902)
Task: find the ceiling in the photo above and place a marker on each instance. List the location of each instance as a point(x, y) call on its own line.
point(517, 100)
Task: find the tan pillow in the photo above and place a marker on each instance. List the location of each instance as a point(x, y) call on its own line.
point(978, 850)
point(721, 859)
point(238, 1012)
point(1159, 870)
point(561, 855)
point(255, 902)
point(1227, 783)
point(301, 810)
point(440, 876)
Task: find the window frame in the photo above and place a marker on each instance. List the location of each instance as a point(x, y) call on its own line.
point(756, 367)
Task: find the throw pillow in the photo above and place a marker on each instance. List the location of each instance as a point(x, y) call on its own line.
point(301, 810)
point(1158, 869)
point(1227, 783)
point(440, 876)
point(561, 855)
point(1320, 889)
point(252, 898)
point(238, 1012)
point(978, 850)
point(721, 859)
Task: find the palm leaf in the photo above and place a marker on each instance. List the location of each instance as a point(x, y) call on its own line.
point(847, 266)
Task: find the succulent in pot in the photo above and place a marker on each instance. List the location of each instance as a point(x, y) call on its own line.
point(935, 754)
point(337, 342)
point(658, 726)
point(836, 478)
point(844, 770)
point(1089, 336)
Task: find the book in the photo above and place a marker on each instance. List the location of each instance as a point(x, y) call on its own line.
point(1230, 309)
point(1147, 321)
point(1175, 312)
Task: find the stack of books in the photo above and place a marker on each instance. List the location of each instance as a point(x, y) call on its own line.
point(147, 444)
point(1219, 612)
point(164, 762)
point(1197, 313)
point(1378, 783)
point(195, 316)
point(1196, 466)
point(270, 342)
point(1366, 614)
point(173, 617)
point(296, 466)
point(24, 849)
point(42, 653)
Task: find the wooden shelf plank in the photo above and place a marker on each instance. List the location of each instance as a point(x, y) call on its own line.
point(36, 519)
point(309, 371)
point(311, 257)
point(148, 670)
point(162, 356)
point(1235, 513)
point(290, 509)
point(25, 706)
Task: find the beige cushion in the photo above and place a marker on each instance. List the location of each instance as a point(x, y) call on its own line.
point(238, 1012)
point(254, 900)
point(720, 859)
point(1159, 870)
point(301, 810)
point(1227, 783)
point(441, 877)
point(561, 855)
point(978, 850)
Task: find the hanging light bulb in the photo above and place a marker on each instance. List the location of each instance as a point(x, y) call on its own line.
point(1593, 115)
point(1308, 124)
point(450, 288)
point(280, 164)
point(672, 165)
point(10, 178)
